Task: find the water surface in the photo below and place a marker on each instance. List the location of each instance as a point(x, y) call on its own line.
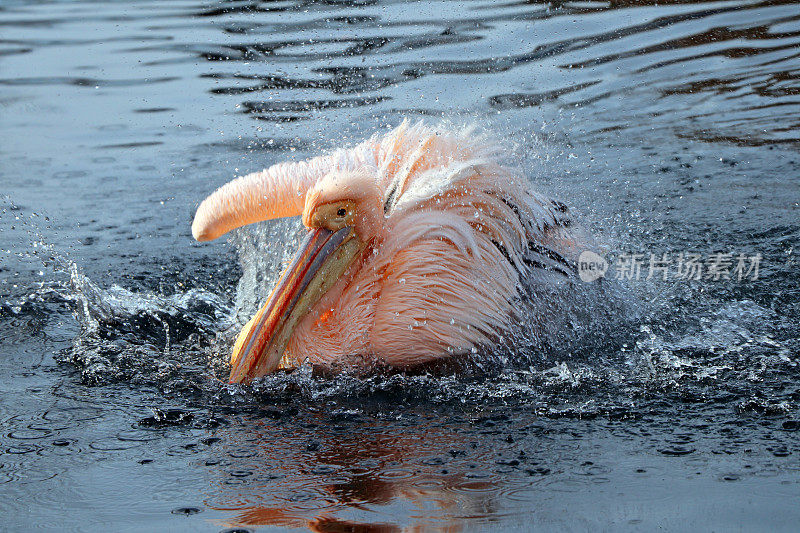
point(669, 127)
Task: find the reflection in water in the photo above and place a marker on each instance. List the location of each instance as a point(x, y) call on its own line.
point(330, 476)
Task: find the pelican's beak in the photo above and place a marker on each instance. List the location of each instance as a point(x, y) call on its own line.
point(321, 260)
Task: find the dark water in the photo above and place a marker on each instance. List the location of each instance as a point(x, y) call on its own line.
point(670, 128)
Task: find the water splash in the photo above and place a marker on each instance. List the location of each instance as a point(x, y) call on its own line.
point(172, 342)
point(143, 337)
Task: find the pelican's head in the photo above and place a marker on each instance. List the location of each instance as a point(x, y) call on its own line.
point(342, 212)
point(340, 216)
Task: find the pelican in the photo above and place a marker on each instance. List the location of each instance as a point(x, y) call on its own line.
point(418, 247)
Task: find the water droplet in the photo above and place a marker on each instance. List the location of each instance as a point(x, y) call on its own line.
point(187, 511)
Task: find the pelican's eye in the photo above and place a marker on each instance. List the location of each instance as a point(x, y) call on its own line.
point(334, 215)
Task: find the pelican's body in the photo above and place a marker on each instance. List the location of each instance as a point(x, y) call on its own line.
point(418, 243)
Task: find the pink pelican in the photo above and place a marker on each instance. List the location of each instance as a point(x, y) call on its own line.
point(419, 242)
